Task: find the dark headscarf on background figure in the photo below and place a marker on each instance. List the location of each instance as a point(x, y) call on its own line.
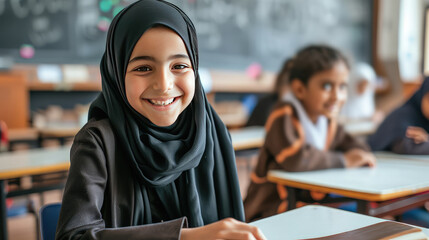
point(190, 165)
point(395, 125)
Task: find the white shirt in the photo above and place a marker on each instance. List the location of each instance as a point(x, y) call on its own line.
point(315, 134)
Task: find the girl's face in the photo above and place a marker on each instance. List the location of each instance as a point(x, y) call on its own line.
point(160, 81)
point(325, 92)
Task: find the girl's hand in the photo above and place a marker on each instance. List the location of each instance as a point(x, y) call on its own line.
point(227, 228)
point(418, 134)
point(358, 158)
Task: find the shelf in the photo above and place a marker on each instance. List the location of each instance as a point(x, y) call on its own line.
point(93, 83)
point(239, 82)
point(84, 86)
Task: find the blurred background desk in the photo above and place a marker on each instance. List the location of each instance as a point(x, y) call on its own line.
point(247, 138)
point(59, 133)
point(29, 163)
point(36, 136)
point(404, 181)
point(360, 128)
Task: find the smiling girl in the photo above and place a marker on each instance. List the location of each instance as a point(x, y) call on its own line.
point(154, 160)
point(302, 133)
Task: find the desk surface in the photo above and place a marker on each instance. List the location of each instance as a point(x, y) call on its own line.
point(34, 133)
point(247, 138)
point(360, 128)
point(254, 137)
point(391, 178)
point(23, 133)
point(313, 221)
point(70, 131)
point(390, 155)
point(35, 161)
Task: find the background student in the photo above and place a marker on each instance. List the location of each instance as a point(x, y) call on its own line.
point(302, 133)
point(405, 130)
point(360, 104)
point(154, 157)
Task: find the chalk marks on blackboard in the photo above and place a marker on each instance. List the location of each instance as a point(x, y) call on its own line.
point(23, 9)
point(232, 33)
point(270, 30)
point(44, 32)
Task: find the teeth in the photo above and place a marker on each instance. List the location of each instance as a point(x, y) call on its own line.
point(162, 103)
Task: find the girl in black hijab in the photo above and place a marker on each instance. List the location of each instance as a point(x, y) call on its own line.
point(405, 130)
point(154, 157)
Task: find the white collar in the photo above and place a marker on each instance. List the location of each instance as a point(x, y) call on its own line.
point(315, 134)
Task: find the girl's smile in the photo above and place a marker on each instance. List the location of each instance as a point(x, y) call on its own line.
point(162, 104)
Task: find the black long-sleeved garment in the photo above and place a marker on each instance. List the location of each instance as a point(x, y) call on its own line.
point(101, 198)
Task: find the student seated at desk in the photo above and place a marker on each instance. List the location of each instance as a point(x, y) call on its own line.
point(405, 130)
point(360, 104)
point(154, 157)
point(302, 133)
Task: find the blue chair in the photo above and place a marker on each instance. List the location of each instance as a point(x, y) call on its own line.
point(48, 215)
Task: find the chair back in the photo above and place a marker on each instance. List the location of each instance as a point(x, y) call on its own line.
point(48, 215)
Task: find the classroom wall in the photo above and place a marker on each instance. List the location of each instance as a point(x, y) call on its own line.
point(410, 39)
point(399, 47)
point(233, 34)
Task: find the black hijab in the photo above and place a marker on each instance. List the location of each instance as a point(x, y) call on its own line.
point(395, 125)
point(188, 167)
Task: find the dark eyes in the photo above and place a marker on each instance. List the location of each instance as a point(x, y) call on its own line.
point(143, 69)
point(147, 68)
point(180, 66)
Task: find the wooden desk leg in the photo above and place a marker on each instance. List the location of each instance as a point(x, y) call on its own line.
point(3, 213)
point(291, 198)
point(363, 207)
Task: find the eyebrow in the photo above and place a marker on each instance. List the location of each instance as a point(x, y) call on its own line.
point(149, 58)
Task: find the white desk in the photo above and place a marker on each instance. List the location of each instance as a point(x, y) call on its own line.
point(313, 221)
point(27, 163)
point(254, 136)
point(247, 138)
point(360, 128)
point(390, 155)
point(390, 179)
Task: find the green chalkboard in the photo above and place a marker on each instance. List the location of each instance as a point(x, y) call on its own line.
point(55, 31)
point(232, 33)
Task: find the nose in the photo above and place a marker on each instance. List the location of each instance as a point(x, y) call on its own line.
point(335, 94)
point(164, 81)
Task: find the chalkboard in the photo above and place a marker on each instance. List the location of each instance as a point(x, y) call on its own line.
point(56, 31)
point(232, 33)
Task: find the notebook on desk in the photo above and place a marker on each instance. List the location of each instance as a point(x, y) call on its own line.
point(387, 230)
